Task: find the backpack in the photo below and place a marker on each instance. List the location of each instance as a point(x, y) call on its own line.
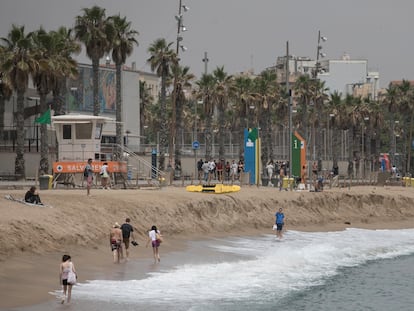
point(85, 172)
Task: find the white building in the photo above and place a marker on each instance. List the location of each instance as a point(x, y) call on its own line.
point(344, 76)
point(348, 76)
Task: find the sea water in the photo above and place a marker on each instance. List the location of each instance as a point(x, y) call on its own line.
point(355, 269)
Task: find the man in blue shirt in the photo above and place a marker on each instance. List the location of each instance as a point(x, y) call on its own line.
point(280, 221)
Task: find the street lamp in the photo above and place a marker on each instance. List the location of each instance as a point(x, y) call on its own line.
point(180, 28)
point(289, 94)
point(319, 54)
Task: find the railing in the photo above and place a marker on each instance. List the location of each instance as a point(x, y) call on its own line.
point(143, 169)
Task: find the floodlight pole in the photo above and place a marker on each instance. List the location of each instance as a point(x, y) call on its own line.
point(289, 93)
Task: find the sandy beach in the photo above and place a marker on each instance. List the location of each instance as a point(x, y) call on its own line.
point(33, 239)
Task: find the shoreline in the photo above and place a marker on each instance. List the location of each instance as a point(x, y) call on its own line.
point(181, 218)
point(93, 264)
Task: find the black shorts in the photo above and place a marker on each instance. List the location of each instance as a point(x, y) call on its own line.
point(116, 245)
point(65, 282)
point(279, 227)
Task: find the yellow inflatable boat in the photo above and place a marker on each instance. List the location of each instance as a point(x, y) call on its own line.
point(217, 188)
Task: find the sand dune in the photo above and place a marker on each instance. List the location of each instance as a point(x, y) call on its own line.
point(78, 220)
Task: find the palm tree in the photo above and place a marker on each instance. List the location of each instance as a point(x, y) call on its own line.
point(407, 108)
point(376, 122)
point(64, 46)
point(223, 90)
point(392, 102)
point(183, 78)
point(243, 95)
point(304, 92)
point(334, 108)
point(5, 94)
point(122, 47)
point(95, 31)
point(205, 92)
point(42, 80)
point(320, 97)
point(17, 66)
point(161, 60)
point(145, 99)
point(267, 93)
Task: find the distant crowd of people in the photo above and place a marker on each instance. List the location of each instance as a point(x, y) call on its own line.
point(219, 170)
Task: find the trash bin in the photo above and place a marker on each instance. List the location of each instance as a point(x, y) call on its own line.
point(406, 181)
point(287, 182)
point(265, 181)
point(45, 182)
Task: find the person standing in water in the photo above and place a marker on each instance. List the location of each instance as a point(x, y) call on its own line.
point(280, 221)
point(115, 241)
point(127, 233)
point(154, 236)
point(65, 267)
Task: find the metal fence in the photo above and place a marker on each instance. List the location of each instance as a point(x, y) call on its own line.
point(280, 143)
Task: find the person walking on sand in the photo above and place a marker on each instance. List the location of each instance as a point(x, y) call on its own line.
point(66, 267)
point(280, 221)
point(154, 236)
point(127, 233)
point(88, 174)
point(115, 240)
point(104, 175)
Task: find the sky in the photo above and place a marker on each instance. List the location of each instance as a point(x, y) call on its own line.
point(246, 34)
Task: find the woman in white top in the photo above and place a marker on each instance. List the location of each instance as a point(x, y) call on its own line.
point(154, 236)
point(270, 169)
point(104, 175)
point(65, 267)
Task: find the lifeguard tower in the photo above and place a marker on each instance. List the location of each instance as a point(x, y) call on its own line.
point(79, 139)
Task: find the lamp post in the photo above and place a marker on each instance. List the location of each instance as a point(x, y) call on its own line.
point(288, 91)
point(180, 28)
point(319, 54)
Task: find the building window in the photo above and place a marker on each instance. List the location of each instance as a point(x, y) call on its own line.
point(98, 131)
point(67, 131)
point(84, 131)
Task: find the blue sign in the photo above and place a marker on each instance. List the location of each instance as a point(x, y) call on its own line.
point(196, 145)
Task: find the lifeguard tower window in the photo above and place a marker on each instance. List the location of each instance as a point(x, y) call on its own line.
point(83, 130)
point(98, 131)
point(67, 131)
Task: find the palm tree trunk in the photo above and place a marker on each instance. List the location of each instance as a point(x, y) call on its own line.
point(96, 104)
point(119, 121)
point(263, 131)
point(163, 123)
point(208, 137)
point(60, 97)
point(269, 136)
point(19, 167)
point(2, 109)
point(409, 142)
point(222, 129)
point(243, 121)
point(44, 144)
